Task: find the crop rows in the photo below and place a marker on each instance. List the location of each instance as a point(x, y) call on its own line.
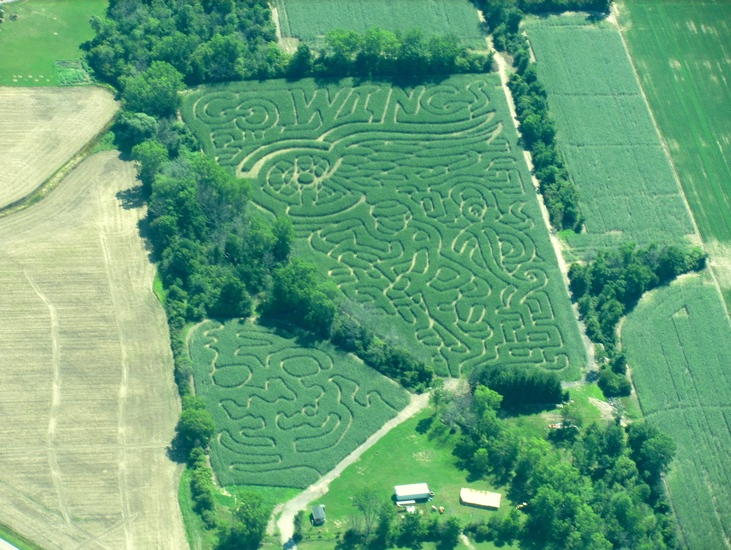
point(605, 130)
point(285, 414)
point(309, 21)
point(679, 347)
point(682, 56)
point(414, 200)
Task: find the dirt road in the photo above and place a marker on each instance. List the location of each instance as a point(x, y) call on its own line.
point(316, 490)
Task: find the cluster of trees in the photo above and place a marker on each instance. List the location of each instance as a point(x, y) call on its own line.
point(298, 296)
point(245, 530)
point(538, 132)
point(377, 527)
point(544, 6)
point(608, 287)
point(537, 128)
point(596, 488)
point(356, 336)
point(382, 52)
point(520, 386)
point(202, 40)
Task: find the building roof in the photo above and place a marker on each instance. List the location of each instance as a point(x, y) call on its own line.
point(480, 498)
point(318, 512)
point(403, 491)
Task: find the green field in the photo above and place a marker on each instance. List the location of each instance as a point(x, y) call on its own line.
point(682, 51)
point(309, 20)
point(627, 188)
point(407, 454)
point(285, 414)
point(678, 343)
point(414, 200)
point(44, 33)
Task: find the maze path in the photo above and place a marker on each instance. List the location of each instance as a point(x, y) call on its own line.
point(285, 414)
point(415, 200)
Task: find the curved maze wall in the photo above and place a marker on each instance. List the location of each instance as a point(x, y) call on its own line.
point(414, 200)
point(285, 414)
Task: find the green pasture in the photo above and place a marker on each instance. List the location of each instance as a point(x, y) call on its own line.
point(309, 20)
point(413, 452)
point(415, 200)
point(682, 52)
point(627, 188)
point(285, 414)
point(678, 344)
point(44, 33)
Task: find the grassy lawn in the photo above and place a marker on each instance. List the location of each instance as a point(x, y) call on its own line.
point(408, 454)
point(44, 32)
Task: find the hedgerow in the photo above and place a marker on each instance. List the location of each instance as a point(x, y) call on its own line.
point(284, 414)
point(414, 200)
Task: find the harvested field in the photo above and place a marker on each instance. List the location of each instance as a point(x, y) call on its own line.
point(86, 390)
point(415, 200)
point(42, 128)
point(285, 414)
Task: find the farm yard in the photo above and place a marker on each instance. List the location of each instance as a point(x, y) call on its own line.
point(605, 131)
point(285, 414)
point(41, 129)
point(88, 400)
point(681, 52)
point(38, 34)
point(415, 201)
point(678, 342)
point(407, 454)
point(309, 21)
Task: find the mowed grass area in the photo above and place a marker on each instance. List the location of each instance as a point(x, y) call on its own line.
point(285, 414)
point(44, 32)
point(410, 453)
point(682, 52)
point(415, 200)
point(678, 343)
point(627, 188)
point(309, 20)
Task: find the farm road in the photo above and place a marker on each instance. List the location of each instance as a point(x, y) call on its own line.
point(316, 490)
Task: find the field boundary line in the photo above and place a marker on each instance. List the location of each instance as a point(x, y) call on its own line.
point(615, 20)
point(52, 181)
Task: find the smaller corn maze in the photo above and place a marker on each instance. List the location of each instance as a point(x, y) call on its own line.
point(284, 414)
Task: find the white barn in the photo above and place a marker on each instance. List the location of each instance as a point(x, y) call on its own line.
point(415, 491)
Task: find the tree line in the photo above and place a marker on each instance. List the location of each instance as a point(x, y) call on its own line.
point(609, 287)
point(537, 128)
point(379, 52)
point(593, 487)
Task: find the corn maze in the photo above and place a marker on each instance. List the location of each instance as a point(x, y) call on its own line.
point(415, 200)
point(285, 414)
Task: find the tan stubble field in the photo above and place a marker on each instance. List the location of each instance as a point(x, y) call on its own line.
point(87, 398)
point(42, 128)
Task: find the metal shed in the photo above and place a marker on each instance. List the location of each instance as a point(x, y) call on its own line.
point(415, 491)
point(318, 514)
